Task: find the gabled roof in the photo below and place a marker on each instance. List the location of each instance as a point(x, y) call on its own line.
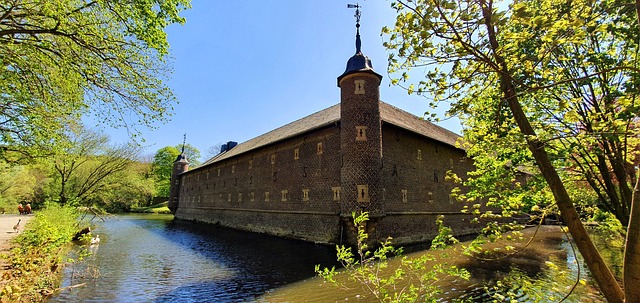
point(388, 113)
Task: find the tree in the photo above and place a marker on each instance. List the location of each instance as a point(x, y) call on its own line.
point(213, 150)
point(192, 153)
point(17, 185)
point(88, 162)
point(486, 61)
point(61, 59)
point(162, 167)
point(130, 187)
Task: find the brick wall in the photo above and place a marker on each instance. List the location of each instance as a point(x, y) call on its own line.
point(415, 189)
point(284, 189)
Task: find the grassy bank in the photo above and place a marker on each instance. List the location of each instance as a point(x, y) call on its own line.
point(160, 208)
point(39, 255)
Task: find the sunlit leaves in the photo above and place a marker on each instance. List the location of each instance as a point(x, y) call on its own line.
point(60, 59)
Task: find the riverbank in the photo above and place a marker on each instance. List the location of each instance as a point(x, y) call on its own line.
point(32, 267)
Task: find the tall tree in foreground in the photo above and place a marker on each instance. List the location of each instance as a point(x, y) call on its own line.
point(60, 59)
point(565, 70)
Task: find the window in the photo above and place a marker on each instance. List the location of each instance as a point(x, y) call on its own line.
point(430, 197)
point(319, 148)
point(359, 87)
point(266, 196)
point(284, 195)
point(419, 154)
point(361, 133)
point(250, 164)
point(305, 195)
point(218, 172)
point(239, 197)
point(252, 197)
point(336, 193)
point(273, 159)
point(233, 169)
point(229, 198)
point(296, 154)
point(363, 193)
point(404, 195)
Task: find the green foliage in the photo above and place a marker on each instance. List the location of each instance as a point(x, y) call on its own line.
point(414, 279)
point(163, 165)
point(62, 59)
point(90, 164)
point(536, 83)
point(35, 262)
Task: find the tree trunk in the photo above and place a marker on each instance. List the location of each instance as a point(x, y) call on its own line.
point(601, 273)
point(631, 275)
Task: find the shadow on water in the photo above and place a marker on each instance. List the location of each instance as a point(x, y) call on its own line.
point(152, 258)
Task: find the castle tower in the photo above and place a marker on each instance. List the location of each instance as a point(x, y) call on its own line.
point(180, 165)
point(360, 136)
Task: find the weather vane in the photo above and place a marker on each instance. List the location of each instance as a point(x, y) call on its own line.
point(357, 15)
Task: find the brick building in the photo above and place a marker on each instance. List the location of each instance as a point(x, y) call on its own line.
point(304, 179)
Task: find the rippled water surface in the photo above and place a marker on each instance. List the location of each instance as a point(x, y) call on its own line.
point(151, 258)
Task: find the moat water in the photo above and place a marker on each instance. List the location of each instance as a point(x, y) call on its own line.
point(152, 258)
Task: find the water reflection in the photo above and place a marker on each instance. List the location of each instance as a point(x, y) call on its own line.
point(151, 258)
point(544, 272)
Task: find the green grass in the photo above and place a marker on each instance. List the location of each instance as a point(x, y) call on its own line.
point(160, 208)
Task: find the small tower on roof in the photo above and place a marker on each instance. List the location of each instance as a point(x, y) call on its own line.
point(360, 138)
point(180, 165)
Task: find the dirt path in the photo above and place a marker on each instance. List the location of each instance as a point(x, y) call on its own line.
point(6, 229)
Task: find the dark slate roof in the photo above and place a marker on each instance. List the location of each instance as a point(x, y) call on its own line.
point(358, 63)
point(320, 119)
point(388, 113)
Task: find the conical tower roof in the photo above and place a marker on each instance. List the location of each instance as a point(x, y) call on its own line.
point(358, 63)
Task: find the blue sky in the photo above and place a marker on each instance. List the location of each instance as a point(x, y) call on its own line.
point(243, 68)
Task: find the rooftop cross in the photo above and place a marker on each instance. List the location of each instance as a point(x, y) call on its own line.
point(357, 15)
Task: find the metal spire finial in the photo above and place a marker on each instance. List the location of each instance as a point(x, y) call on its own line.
point(357, 15)
point(184, 142)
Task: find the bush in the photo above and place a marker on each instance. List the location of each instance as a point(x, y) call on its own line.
point(35, 263)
